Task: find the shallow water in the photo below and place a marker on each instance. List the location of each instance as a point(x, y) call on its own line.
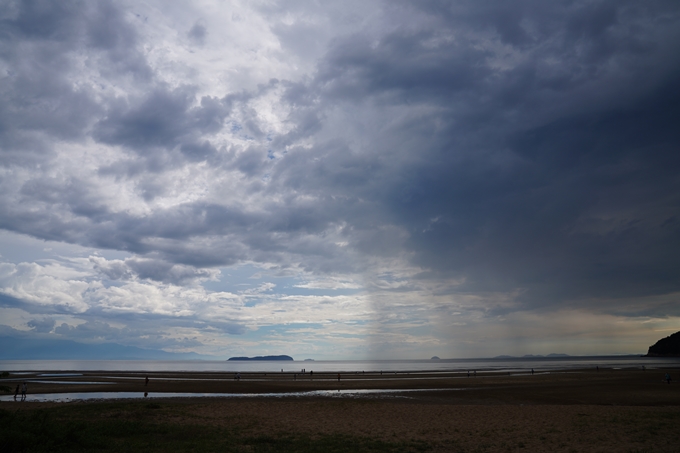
point(343, 366)
point(76, 396)
point(40, 381)
point(60, 374)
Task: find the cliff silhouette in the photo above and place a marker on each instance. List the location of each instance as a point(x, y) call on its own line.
point(666, 347)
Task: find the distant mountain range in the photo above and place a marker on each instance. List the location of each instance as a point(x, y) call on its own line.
point(43, 349)
point(264, 358)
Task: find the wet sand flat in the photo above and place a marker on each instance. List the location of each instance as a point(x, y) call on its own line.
point(604, 387)
point(607, 410)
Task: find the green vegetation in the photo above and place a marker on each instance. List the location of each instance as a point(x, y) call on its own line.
point(152, 427)
point(261, 425)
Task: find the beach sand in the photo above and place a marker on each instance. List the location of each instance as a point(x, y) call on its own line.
point(586, 410)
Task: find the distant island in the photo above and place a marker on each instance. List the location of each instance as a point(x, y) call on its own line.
point(309, 360)
point(666, 347)
point(435, 358)
point(264, 358)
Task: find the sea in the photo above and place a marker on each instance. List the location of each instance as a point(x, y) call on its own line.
point(503, 364)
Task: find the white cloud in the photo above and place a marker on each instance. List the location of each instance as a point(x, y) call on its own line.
point(43, 285)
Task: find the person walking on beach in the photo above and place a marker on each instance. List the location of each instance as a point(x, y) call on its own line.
point(16, 392)
point(338, 377)
point(146, 381)
point(23, 392)
point(532, 371)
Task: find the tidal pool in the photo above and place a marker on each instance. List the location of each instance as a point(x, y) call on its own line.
point(80, 396)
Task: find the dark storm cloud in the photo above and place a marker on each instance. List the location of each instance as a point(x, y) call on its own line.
point(39, 43)
point(166, 127)
point(78, 194)
point(551, 172)
point(404, 63)
point(156, 121)
point(164, 119)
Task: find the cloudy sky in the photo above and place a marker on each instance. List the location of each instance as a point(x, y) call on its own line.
point(338, 180)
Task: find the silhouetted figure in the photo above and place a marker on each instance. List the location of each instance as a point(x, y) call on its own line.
point(338, 377)
point(468, 373)
point(668, 378)
point(23, 391)
point(16, 392)
point(532, 371)
point(146, 381)
point(146, 394)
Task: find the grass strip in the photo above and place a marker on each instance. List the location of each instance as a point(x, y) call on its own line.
point(154, 427)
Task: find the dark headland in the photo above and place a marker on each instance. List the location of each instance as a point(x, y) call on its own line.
point(666, 347)
point(265, 358)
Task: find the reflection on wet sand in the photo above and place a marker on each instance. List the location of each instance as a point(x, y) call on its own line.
point(80, 396)
point(601, 386)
